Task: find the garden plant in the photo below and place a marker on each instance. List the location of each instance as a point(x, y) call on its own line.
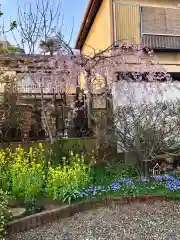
point(29, 175)
point(5, 214)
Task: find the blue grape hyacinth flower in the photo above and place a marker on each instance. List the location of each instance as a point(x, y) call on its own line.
point(126, 181)
point(114, 186)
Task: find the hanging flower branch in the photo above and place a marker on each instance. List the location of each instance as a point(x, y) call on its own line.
point(123, 64)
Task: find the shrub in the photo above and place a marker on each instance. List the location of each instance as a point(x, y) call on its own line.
point(145, 129)
point(5, 214)
point(65, 181)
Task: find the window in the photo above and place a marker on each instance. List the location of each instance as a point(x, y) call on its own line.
point(127, 23)
point(160, 21)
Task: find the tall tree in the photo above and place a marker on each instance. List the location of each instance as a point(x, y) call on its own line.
point(65, 68)
point(38, 23)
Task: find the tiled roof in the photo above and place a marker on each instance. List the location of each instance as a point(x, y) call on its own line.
point(161, 41)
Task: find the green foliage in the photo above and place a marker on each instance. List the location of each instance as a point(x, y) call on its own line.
point(27, 180)
point(12, 26)
point(32, 208)
point(9, 49)
point(4, 173)
point(65, 181)
point(105, 175)
point(128, 172)
point(12, 49)
point(61, 149)
point(5, 213)
point(23, 173)
point(101, 175)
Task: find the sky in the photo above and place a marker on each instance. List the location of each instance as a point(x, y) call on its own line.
point(72, 10)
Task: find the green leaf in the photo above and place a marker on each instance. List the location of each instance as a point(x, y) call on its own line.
point(13, 25)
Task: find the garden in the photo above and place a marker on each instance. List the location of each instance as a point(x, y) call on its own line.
point(36, 178)
point(131, 109)
point(28, 178)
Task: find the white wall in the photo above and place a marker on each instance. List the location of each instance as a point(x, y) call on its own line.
point(125, 93)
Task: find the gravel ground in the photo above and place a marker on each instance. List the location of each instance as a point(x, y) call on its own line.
point(160, 220)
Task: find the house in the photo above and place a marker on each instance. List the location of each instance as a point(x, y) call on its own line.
point(6, 47)
point(155, 24)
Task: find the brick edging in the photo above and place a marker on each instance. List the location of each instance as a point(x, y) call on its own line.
point(36, 220)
